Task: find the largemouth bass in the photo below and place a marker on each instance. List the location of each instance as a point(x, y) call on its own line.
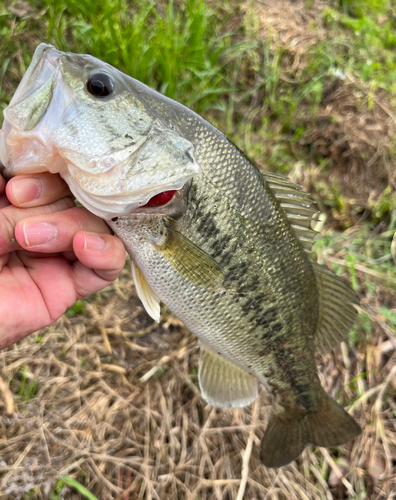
point(225, 246)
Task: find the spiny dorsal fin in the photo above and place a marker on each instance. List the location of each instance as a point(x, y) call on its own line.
point(296, 204)
point(337, 313)
point(146, 294)
point(224, 384)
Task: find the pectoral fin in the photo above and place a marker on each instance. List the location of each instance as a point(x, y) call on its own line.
point(146, 294)
point(224, 384)
point(195, 265)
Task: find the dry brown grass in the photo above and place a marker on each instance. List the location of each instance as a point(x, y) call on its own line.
point(116, 402)
point(355, 133)
point(354, 127)
point(93, 417)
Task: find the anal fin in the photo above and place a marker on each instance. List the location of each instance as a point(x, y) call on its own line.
point(224, 384)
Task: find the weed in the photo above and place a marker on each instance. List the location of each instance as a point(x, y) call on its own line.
point(176, 49)
point(369, 41)
point(267, 95)
point(362, 8)
point(76, 309)
point(69, 481)
point(32, 494)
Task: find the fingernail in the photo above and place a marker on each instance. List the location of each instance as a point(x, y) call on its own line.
point(93, 243)
point(25, 190)
point(39, 233)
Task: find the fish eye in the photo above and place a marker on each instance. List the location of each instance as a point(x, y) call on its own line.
point(100, 84)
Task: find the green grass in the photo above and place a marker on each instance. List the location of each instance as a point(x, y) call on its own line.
point(212, 59)
point(171, 47)
point(361, 8)
point(76, 309)
point(361, 250)
point(27, 386)
point(368, 261)
point(177, 49)
point(75, 485)
point(366, 33)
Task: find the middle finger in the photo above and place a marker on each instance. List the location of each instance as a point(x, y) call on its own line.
point(55, 232)
point(10, 216)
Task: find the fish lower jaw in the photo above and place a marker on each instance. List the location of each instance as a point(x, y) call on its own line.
point(25, 153)
point(165, 202)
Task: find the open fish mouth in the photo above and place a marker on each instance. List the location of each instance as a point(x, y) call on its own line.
point(109, 206)
point(44, 64)
point(113, 151)
point(25, 133)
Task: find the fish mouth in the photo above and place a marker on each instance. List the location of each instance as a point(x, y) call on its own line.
point(160, 199)
point(170, 203)
point(25, 131)
point(147, 175)
point(44, 63)
point(165, 199)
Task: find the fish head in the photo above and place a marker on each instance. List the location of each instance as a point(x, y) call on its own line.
point(80, 117)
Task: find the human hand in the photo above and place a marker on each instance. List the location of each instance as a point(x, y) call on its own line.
point(52, 253)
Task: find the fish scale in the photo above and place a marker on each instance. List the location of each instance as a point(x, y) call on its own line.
point(228, 252)
point(209, 326)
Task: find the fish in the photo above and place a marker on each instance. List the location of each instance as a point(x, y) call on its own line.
point(226, 246)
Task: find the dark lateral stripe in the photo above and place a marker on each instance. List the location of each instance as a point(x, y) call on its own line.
point(268, 319)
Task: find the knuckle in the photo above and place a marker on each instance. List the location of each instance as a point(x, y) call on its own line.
point(7, 224)
point(80, 217)
point(62, 204)
point(87, 221)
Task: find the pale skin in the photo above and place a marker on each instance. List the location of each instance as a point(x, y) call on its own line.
point(52, 254)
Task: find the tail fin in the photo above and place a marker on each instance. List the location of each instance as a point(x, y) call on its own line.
point(286, 438)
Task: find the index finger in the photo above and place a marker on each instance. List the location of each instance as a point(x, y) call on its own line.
point(36, 190)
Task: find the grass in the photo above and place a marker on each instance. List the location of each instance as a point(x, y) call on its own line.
point(175, 48)
point(303, 91)
point(69, 481)
point(367, 39)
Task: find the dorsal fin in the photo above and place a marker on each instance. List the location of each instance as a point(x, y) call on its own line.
point(337, 312)
point(296, 204)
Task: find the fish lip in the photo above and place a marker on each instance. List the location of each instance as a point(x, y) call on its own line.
point(42, 71)
point(44, 68)
point(174, 208)
point(128, 205)
point(26, 87)
point(45, 48)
